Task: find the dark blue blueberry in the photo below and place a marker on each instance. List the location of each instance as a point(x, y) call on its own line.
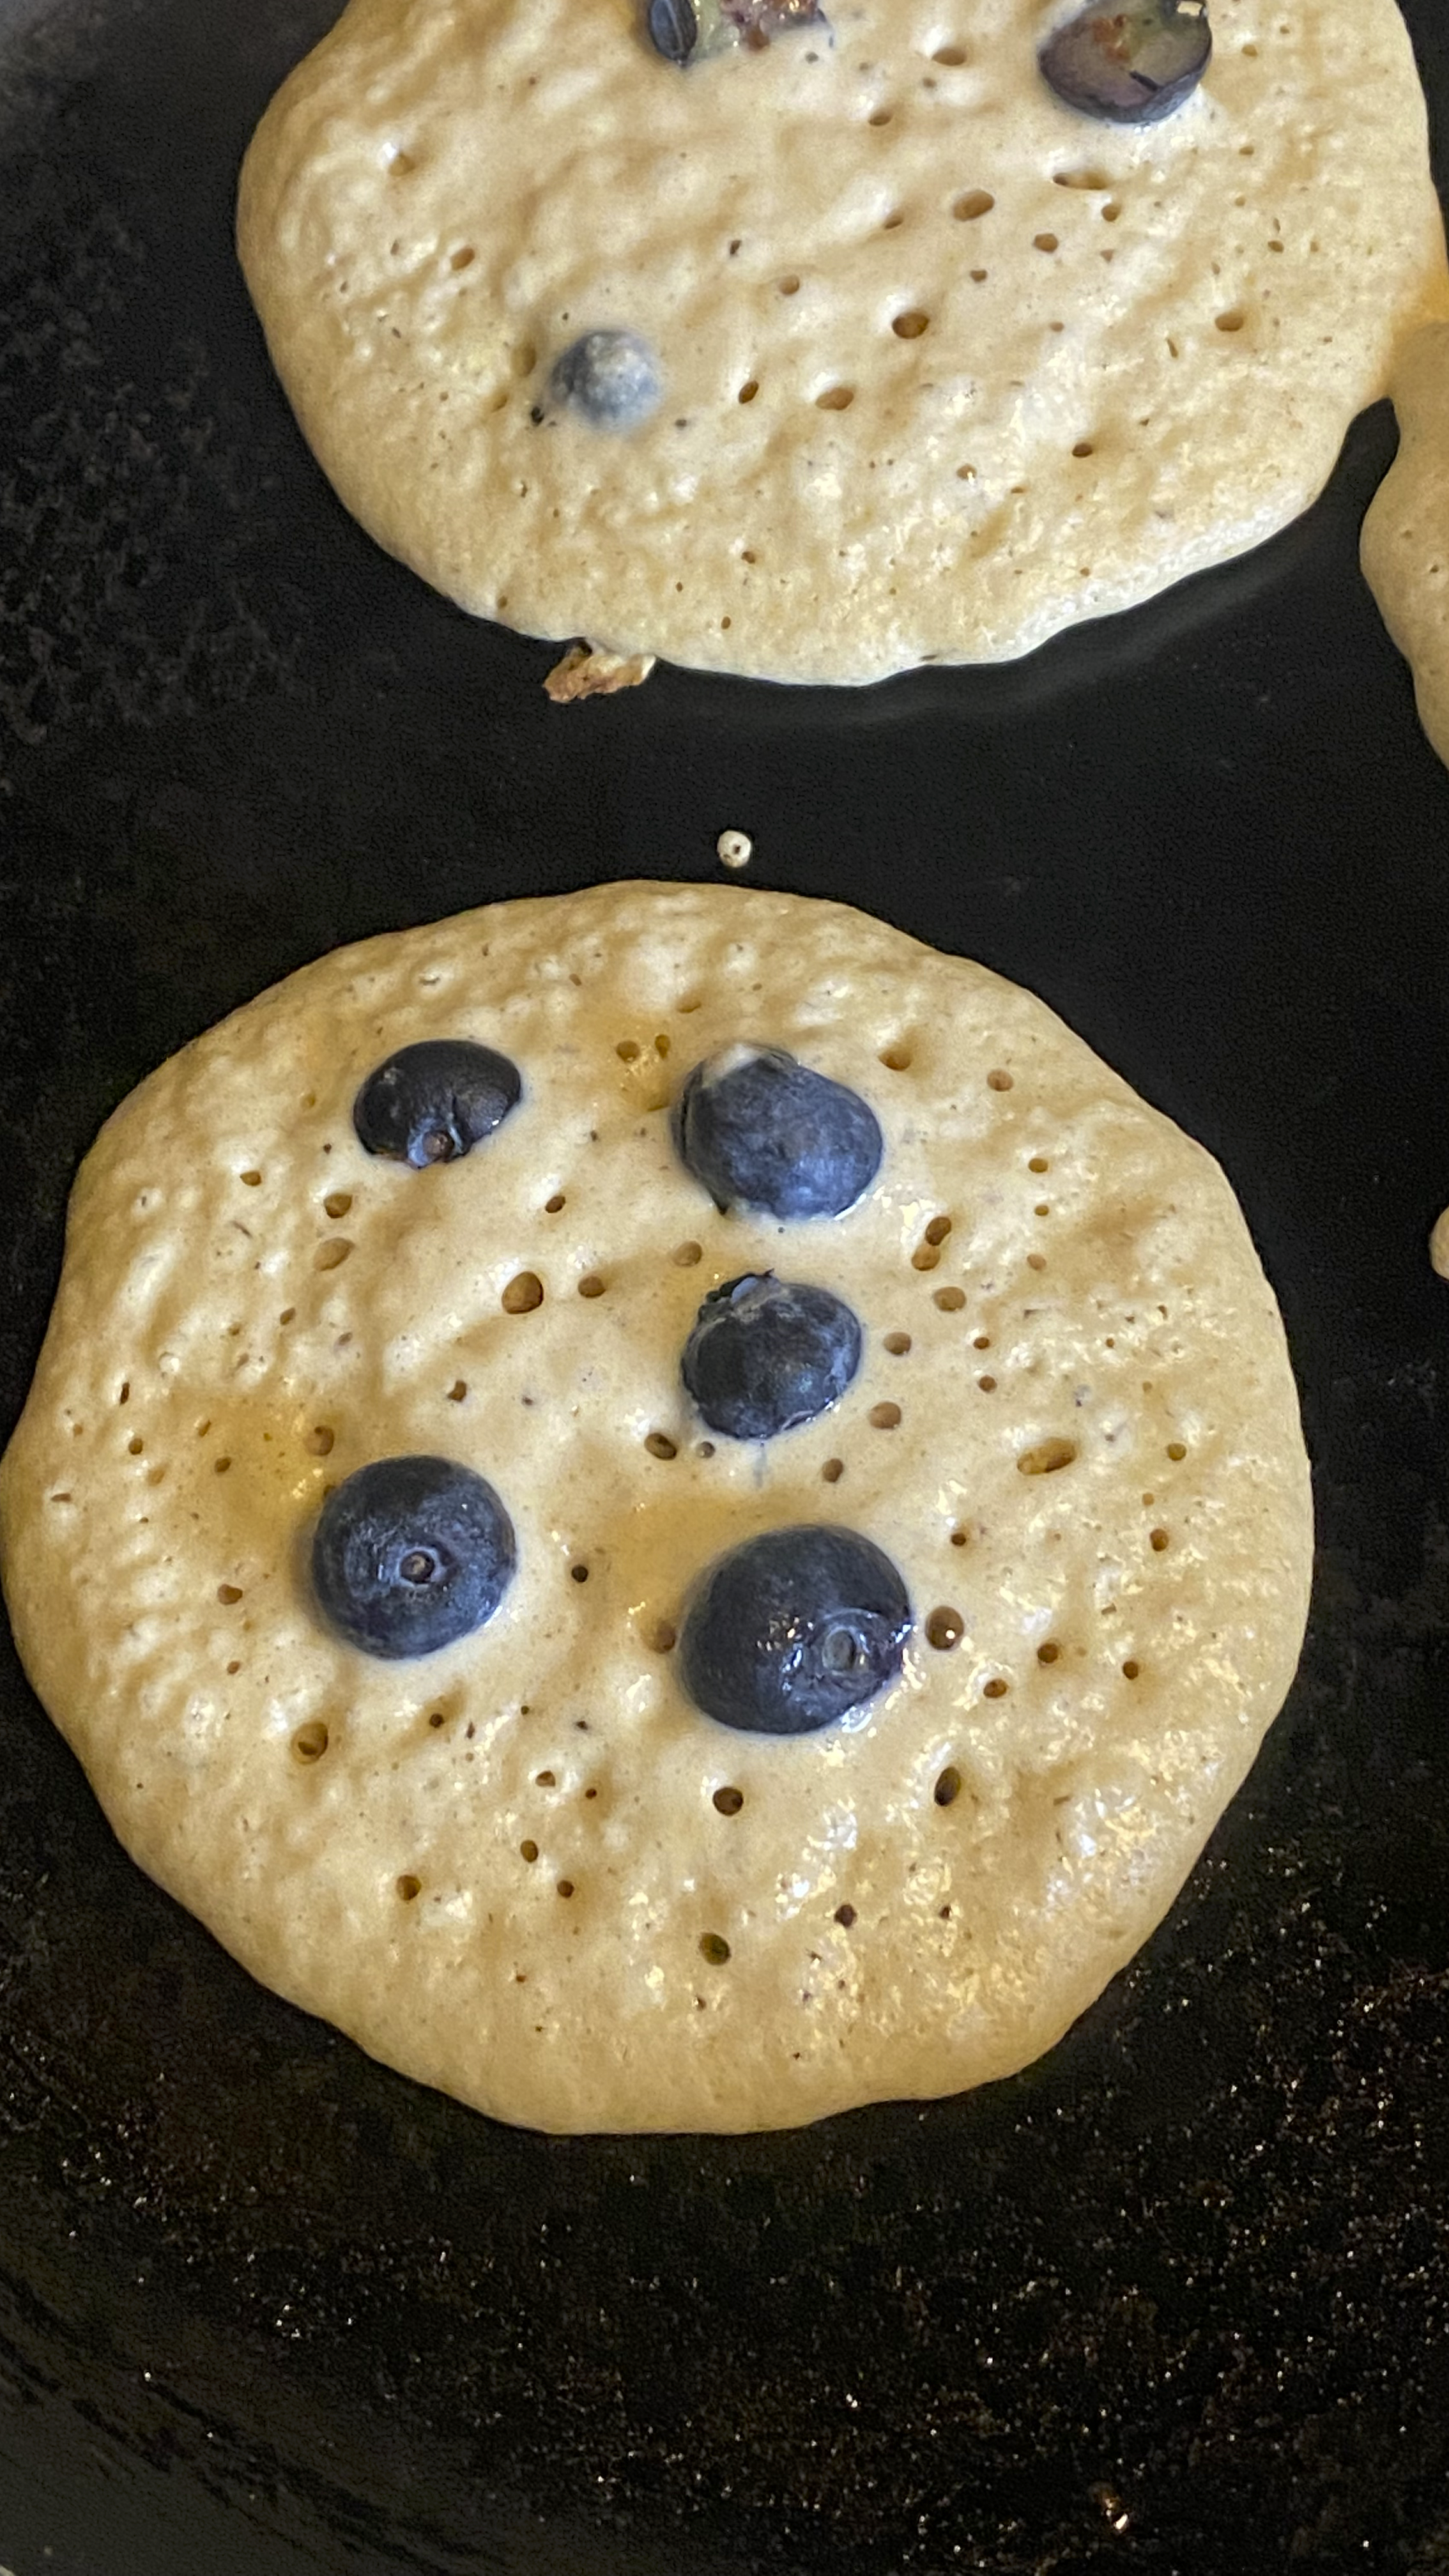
point(410, 1554)
point(429, 1103)
point(765, 1354)
point(793, 1630)
point(673, 29)
point(610, 378)
point(1130, 65)
point(761, 1130)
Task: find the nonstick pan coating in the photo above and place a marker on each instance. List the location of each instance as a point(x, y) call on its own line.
point(1175, 2300)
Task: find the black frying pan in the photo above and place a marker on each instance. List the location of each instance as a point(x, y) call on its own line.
point(1177, 2299)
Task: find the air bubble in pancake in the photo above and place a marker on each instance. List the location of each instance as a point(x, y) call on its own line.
point(1047, 1457)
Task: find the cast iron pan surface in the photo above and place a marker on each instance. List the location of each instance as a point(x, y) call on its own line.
point(1178, 2298)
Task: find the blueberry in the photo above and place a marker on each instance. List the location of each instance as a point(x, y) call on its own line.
point(760, 1129)
point(685, 31)
point(411, 1554)
point(1130, 65)
point(610, 378)
point(429, 1103)
point(673, 29)
point(765, 1354)
point(793, 1630)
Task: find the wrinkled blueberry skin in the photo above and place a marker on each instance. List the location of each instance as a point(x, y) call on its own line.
point(794, 1630)
point(611, 378)
point(769, 1134)
point(1130, 65)
point(765, 1354)
point(673, 29)
point(431, 1102)
point(410, 1554)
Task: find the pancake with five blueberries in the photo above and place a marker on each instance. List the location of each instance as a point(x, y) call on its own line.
point(674, 1509)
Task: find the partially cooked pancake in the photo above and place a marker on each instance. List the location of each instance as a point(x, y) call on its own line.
point(855, 351)
point(527, 1867)
point(1405, 542)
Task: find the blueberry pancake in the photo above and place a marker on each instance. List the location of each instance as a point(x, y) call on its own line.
point(676, 1510)
point(814, 345)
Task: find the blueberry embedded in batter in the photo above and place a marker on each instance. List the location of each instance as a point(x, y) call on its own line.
point(410, 1554)
point(610, 378)
point(761, 1130)
point(767, 1353)
point(687, 31)
point(432, 1102)
point(1129, 66)
point(794, 1630)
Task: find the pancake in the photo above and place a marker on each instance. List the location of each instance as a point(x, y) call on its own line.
point(938, 364)
point(526, 1866)
point(1405, 543)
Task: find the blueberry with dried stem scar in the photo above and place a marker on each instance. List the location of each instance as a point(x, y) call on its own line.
point(410, 1554)
point(610, 378)
point(429, 1103)
point(766, 1353)
point(763, 1131)
point(1131, 65)
point(794, 1630)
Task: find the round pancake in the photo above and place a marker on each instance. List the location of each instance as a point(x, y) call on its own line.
point(1404, 548)
point(509, 1868)
point(946, 364)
